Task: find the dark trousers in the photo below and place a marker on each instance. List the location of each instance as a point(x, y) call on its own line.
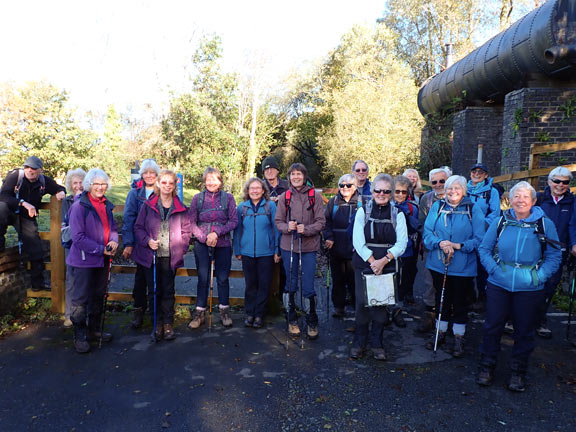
point(139, 292)
point(408, 270)
point(342, 281)
point(27, 230)
point(258, 278)
point(550, 287)
point(222, 263)
point(165, 292)
point(456, 294)
point(522, 308)
point(481, 280)
point(87, 302)
point(370, 321)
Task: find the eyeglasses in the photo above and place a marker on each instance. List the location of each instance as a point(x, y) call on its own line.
point(478, 171)
point(165, 183)
point(361, 169)
point(102, 185)
point(401, 192)
point(383, 191)
point(347, 185)
point(434, 182)
point(558, 181)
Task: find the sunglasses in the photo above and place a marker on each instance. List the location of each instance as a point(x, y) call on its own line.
point(361, 170)
point(382, 191)
point(401, 192)
point(347, 185)
point(564, 182)
point(164, 183)
point(434, 182)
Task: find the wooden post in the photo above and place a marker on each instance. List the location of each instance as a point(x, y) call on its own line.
point(57, 258)
point(534, 163)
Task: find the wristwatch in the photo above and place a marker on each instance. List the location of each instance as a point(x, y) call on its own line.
point(21, 202)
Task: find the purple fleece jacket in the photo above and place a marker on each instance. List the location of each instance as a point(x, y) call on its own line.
point(147, 226)
point(217, 220)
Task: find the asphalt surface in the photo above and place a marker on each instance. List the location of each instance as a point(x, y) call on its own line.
point(242, 379)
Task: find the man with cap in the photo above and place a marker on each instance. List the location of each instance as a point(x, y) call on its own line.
point(276, 185)
point(484, 195)
point(20, 197)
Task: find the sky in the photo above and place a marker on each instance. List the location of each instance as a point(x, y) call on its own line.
point(135, 52)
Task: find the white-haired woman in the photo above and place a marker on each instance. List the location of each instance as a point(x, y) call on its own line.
point(340, 213)
point(416, 190)
point(94, 243)
point(379, 239)
point(74, 179)
point(518, 264)
point(142, 190)
point(557, 202)
point(452, 232)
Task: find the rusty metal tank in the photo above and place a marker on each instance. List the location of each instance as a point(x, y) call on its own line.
point(541, 46)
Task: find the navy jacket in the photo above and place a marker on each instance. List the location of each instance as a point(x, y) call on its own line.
point(340, 223)
point(136, 197)
point(562, 214)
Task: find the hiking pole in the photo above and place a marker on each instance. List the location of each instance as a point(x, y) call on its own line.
point(301, 289)
point(328, 287)
point(571, 268)
point(446, 264)
point(105, 299)
point(155, 313)
point(211, 256)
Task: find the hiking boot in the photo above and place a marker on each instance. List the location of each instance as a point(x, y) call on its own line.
point(94, 336)
point(544, 332)
point(427, 323)
point(258, 323)
point(81, 345)
point(249, 321)
point(441, 339)
point(338, 313)
point(293, 329)
point(312, 331)
point(517, 382)
point(67, 323)
point(138, 318)
point(356, 352)
point(398, 319)
point(509, 328)
point(159, 333)
point(485, 375)
point(198, 318)
point(458, 347)
point(225, 317)
point(379, 354)
point(169, 332)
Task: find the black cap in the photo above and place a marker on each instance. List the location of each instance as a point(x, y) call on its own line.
point(481, 166)
point(33, 162)
point(270, 162)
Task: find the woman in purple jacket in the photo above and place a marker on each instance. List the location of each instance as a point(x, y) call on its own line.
point(94, 243)
point(213, 216)
point(162, 228)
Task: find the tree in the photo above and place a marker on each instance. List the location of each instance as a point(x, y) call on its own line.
point(110, 154)
point(35, 120)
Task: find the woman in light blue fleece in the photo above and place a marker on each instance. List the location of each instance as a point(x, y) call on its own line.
point(380, 237)
point(519, 254)
point(453, 230)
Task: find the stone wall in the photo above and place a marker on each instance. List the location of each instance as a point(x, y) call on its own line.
point(13, 280)
point(537, 116)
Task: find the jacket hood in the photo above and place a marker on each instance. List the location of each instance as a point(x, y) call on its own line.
point(535, 214)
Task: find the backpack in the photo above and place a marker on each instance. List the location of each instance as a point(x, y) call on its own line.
point(200, 204)
point(41, 179)
point(442, 209)
point(311, 200)
point(372, 221)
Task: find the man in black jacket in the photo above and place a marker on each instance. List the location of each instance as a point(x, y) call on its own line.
point(20, 197)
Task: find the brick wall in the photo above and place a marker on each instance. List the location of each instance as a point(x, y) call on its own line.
point(472, 126)
point(537, 116)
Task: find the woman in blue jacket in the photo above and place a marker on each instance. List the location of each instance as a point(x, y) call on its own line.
point(163, 228)
point(256, 245)
point(453, 230)
point(141, 191)
point(94, 243)
point(519, 261)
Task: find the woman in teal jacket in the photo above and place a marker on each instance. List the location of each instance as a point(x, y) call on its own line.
point(519, 254)
point(453, 230)
point(256, 242)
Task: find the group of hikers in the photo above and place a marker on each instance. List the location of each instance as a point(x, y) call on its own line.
point(508, 263)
